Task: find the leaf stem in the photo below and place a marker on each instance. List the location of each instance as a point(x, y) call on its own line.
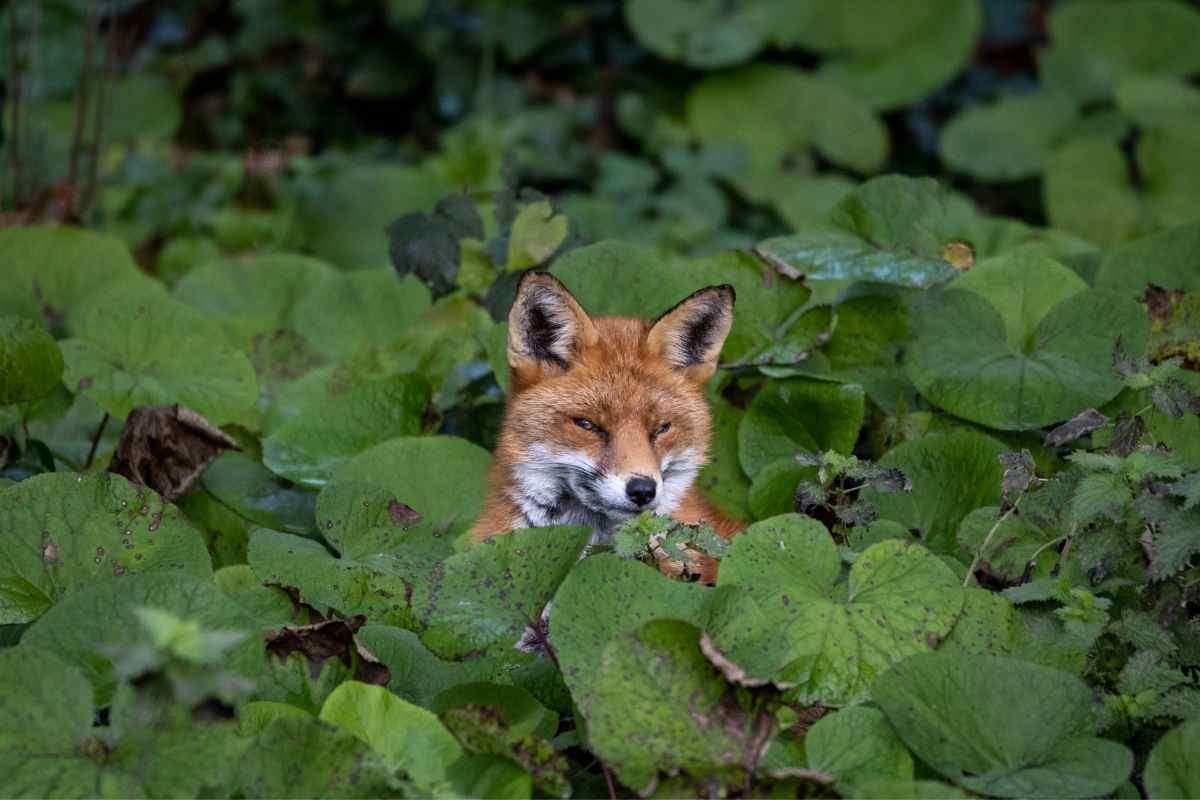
point(612, 792)
point(96, 441)
point(988, 539)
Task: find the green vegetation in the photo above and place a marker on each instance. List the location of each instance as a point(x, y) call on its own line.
point(255, 265)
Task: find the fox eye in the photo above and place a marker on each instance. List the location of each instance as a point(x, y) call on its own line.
point(588, 425)
point(660, 430)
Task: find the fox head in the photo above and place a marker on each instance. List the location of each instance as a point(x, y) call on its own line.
point(607, 416)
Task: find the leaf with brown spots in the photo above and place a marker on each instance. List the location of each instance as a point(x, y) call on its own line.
point(332, 638)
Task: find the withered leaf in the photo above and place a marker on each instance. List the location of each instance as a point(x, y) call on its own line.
point(1127, 432)
point(1018, 473)
point(1080, 425)
point(167, 447)
point(332, 638)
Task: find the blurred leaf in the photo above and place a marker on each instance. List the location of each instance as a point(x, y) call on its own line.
point(1008, 140)
point(31, 364)
point(700, 33)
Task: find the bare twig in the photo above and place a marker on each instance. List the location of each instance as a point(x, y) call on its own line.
point(81, 102)
point(107, 77)
point(96, 441)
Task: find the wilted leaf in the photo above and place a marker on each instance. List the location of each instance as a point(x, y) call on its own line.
point(1081, 424)
point(333, 638)
point(167, 447)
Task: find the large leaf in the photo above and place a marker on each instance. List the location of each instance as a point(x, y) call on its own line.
point(1173, 769)
point(1020, 342)
point(793, 624)
point(952, 474)
point(341, 314)
point(1001, 727)
point(657, 703)
point(1086, 191)
point(309, 448)
point(301, 756)
point(856, 745)
point(700, 33)
point(61, 533)
point(142, 350)
point(633, 593)
point(1008, 140)
point(255, 493)
point(1166, 259)
point(105, 614)
point(722, 480)
point(30, 362)
point(799, 416)
point(440, 476)
point(407, 737)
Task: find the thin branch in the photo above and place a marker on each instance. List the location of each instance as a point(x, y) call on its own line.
point(81, 102)
point(96, 441)
point(612, 792)
point(107, 78)
point(17, 90)
point(988, 539)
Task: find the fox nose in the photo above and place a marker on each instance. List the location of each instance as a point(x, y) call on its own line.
point(640, 490)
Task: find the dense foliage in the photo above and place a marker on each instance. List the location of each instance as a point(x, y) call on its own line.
point(246, 406)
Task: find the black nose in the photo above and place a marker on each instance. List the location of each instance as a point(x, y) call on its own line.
point(640, 490)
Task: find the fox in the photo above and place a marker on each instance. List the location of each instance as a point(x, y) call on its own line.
point(606, 417)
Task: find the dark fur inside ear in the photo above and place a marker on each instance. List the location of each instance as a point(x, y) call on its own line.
point(545, 326)
point(692, 332)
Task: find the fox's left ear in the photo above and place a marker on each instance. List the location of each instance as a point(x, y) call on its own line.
point(689, 336)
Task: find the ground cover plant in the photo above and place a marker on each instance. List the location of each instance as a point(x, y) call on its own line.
point(252, 368)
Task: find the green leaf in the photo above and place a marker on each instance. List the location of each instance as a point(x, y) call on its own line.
point(104, 614)
point(952, 474)
point(1165, 259)
point(1019, 343)
point(345, 223)
point(1026, 732)
point(1012, 546)
point(51, 273)
point(302, 756)
point(141, 350)
point(62, 533)
point(309, 448)
point(407, 737)
point(799, 416)
point(442, 477)
point(657, 703)
point(855, 745)
point(417, 675)
point(1154, 101)
point(1173, 769)
point(1086, 191)
point(791, 625)
point(343, 313)
point(536, 234)
point(1008, 140)
point(773, 490)
point(632, 592)
point(31, 364)
point(989, 625)
point(722, 480)
point(700, 33)
point(257, 494)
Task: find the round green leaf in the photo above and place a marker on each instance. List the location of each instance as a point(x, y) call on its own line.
point(300, 756)
point(62, 533)
point(1173, 769)
point(1001, 727)
point(407, 737)
point(1086, 191)
point(139, 350)
point(104, 614)
point(442, 477)
point(952, 474)
point(989, 626)
point(700, 33)
point(799, 416)
point(792, 625)
point(257, 494)
point(31, 364)
point(1008, 140)
point(855, 745)
point(1166, 259)
point(1019, 343)
point(309, 448)
point(341, 314)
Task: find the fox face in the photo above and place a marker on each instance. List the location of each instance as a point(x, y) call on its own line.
point(607, 416)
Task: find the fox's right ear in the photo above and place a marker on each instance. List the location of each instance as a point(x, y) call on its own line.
point(546, 328)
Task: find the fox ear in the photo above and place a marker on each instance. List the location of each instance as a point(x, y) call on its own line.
point(690, 335)
point(546, 327)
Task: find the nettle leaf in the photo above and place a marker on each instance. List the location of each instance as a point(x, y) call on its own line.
point(1165, 259)
point(1020, 342)
point(1010, 139)
point(105, 614)
point(51, 273)
point(857, 745)
point(309, 448)
point(62, 533)
point(31, 364)
point(1173, 769)
point(344, 313)
point(136, 349)
point(799, 416)
point(301, 755)
point(49, 747)
point(952, 474)
point(700, 33)
point(632, 592)
point(658, 704)
point(443, 477)
point(792, 625)
point(1026, 732)
point(407, 737)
